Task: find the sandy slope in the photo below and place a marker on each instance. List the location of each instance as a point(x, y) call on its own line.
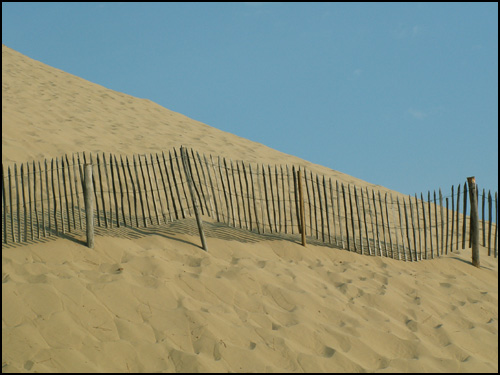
point(152, 300)
point(157, 302)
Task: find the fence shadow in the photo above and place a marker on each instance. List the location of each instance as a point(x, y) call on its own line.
point(172, 231)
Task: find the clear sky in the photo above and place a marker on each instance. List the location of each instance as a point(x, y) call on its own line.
point(403, 95)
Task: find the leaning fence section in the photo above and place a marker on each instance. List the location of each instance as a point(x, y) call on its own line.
point(46, 199)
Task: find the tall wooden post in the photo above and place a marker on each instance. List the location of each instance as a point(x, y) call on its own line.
point(187, 171)
point(89, 205)
point(302, 216)
point(474, 222)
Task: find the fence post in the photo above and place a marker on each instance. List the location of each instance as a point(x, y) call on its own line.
point(185, 162)
point(301, 202)
point(89, 205)
point(474, 222)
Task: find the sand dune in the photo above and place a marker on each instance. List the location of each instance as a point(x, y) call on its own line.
point(151, 300)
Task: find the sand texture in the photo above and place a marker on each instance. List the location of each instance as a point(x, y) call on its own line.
point(151, 300)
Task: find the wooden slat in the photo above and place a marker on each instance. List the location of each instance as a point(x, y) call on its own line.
point(267, 199)
point(315, 205)
point(310, 204)
point(333, 212)
point(30, 198)
point(226, 201)
point(61, 205)
point(278, 198)
point(284, 198)
point(395, 228)
point(204, 199)
point(164, 189)
point(170, 188)
point(245, 216)
point(418, 228)
point(197, 186)
point(229, 192)
point(236, 193)
point(138, 184)
point(71, 192)
point(320, 209)
point(495, 238)
point(447, 226)
point(65, 193)
point(146, 198)
point(371, 221)
point(353, 226)
point(110, 190)
point(94, 185)
point(346, 219)
point(401, 229)
point(209, 197)
point(54, 195)
point(182, 181)
point(483, 220)
point(490, 220)
point(464, 227)
point(458, 214)
point(407, 231)
point(38, 232)
point(152, 190)
point(452, 216)
point(364, 220)
point(224, 191)
point(4, 202)
point(296, 199)
point(127, 190)
point(383, 222)
point(326, 210)
point(415, 256)
point(99, 167)
point(377, 244)
point(113, 184)
point(48, 198)
point(25, 210)
point(389, 226)
point(442, 219)
point(430, 224)
point(254, 198)
point(273, 208)
point(135, 194)
point(290, 198)
point(11, 208)
point(121, 191)
point(155, 177)
point(221, 203)
point(18, 205)
point(339, 216)
point(213, 198)
point(75, 180)
point(437, 224)
point(248, 196)
point(359, 220)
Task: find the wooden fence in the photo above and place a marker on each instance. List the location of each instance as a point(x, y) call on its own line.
point(46, 199)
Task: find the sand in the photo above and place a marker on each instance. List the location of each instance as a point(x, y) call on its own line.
point(151, 300)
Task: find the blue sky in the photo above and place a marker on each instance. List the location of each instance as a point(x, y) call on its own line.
point(403, 95)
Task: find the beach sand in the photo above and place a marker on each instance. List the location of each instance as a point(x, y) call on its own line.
point(151, 300)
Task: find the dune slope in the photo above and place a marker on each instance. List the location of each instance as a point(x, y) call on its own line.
point(151, 300)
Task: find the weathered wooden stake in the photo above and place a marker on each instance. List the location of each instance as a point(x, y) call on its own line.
point(474, 221)
point(301, 201)
point(189, 177)
point(89, 205)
